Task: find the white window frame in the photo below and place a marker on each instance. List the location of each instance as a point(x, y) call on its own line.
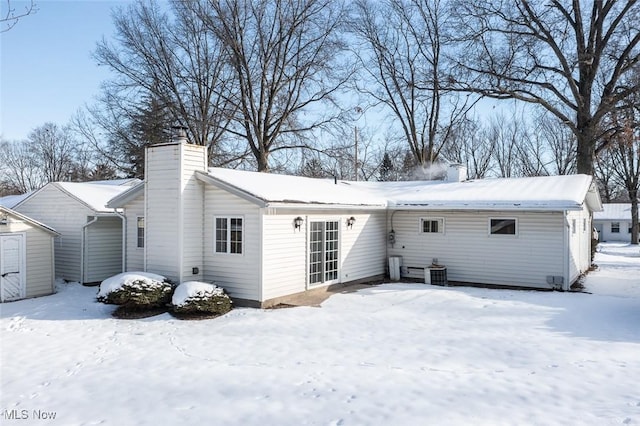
point(228, 236)
point(144, 233)
point(441, 225)
point(495, 235)
point(617, 225)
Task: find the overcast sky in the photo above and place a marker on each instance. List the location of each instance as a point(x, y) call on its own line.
point(46, 69)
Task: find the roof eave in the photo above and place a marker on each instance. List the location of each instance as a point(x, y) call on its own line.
point(34, 222)
point(126, 196)
point(218, 183)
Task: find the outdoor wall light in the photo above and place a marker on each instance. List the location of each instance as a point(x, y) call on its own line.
point(351, 221)
point(297, 223)
point(4, 219)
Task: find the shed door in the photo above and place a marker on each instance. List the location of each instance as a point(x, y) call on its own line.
point(12, 274)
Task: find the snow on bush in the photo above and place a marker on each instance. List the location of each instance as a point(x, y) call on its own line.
point(136, 290)
point(195, 297)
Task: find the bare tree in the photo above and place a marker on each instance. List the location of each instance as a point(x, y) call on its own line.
point(560, 143)
point(608, 184)
point(472, 146)
point(567, 58)
point(55, 148)
point(286, 58)
point(18, 173)
point(10, 16)
point(172, 58)
point(50, 154)
point(624, 149)
point(403, 68)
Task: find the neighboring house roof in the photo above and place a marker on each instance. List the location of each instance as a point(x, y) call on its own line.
point(94, 195)
point(27, 219)
point(615, 211)
point(11, 201)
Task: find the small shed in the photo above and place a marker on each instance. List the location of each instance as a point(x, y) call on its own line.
point(614, 222)
point(26, 257)
point(89, 247)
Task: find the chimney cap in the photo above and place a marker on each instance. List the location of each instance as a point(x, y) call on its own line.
point(179, 133)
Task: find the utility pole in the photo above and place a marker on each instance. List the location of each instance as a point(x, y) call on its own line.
point(355, 129)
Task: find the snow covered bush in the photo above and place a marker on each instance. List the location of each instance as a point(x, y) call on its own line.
point(194, 297)
point(136, 290)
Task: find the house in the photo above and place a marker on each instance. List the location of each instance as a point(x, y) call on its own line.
point(26, 257)
point(266, 236)
point(89, 247)
point(614, 222)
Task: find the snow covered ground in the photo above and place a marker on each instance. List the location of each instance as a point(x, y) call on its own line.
point(392, 354)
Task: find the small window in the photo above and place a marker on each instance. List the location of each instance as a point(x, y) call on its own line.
point(140, 234)
point(502, 227)
point(432, 225)
point(228, 235)
point(573, 226)
point(584, 225)
point(615, 227)
point(630, 228)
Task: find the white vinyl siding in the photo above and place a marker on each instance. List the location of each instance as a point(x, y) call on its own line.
point(194, 159)
point(67, 216)
point(472, 255)
point(362, 250)
point(239, 274)
point(135, 255)
point(285, 262)
point(605, 226)
point(579, 245)
point(174, 211)
point(162, 210)
point(39, 265)
point(103, 249)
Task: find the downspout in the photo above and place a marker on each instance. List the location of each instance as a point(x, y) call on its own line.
point(124, 238)
point(567, 252)
point(84, 236)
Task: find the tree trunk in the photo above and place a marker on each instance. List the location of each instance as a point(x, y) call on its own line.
point(634, 216)
point(586, 148)
point(263, 161)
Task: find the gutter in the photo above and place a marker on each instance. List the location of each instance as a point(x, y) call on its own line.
point(84, 236)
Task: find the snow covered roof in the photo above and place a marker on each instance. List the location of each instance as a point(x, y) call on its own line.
point(269, 188)
point(27, 219)
point(10, 201)
point(94, 195)
point(533, 193)
point(567, 192)
point(614, 211)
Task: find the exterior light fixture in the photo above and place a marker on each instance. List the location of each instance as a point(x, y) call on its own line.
point(351, 221)
point(4, 219)
point(297, 223)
